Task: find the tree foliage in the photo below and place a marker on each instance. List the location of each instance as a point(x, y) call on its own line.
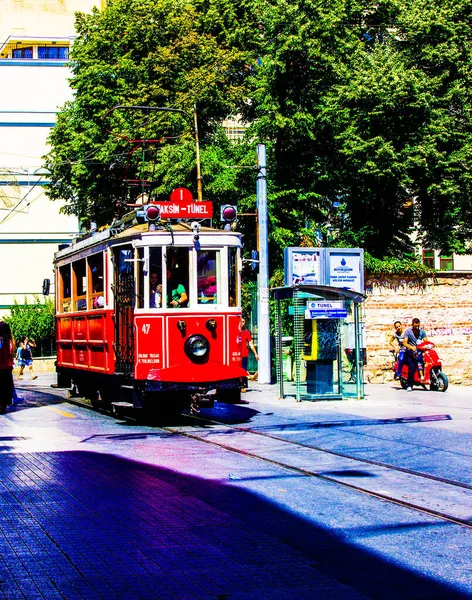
point(34, 320)
point(365, 108)
point(368, 106)
point(148, 53)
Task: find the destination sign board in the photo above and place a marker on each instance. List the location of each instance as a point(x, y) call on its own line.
point(184, 209)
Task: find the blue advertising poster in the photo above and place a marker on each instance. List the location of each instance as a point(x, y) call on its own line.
point(337, 267)
point(345, 268)
point(303, 266)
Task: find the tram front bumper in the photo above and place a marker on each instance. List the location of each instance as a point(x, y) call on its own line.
point(206, 389)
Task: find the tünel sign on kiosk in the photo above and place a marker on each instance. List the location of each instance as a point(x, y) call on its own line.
point(333, 309)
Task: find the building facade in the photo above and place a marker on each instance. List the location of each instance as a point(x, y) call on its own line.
point(35, 39)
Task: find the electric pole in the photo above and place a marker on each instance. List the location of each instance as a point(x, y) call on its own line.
point(263, 339)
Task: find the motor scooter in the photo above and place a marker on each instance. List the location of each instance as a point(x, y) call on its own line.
point(433, 375)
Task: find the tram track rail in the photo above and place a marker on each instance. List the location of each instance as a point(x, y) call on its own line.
point(202, 436)
point(464, 522)
point(341, 454)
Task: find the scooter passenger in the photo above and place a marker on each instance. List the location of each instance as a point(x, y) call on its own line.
point(414, 335)
point(396, 341)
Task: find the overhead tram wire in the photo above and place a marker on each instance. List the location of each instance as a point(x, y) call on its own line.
point(14, 209)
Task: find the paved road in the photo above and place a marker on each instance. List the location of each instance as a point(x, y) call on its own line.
point(96, 507)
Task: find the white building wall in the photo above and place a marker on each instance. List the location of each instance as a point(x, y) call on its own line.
point(31, 226)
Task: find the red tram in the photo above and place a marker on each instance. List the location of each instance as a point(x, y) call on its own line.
point(150, 314)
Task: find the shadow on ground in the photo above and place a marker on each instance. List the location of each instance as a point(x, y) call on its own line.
point(89, 525)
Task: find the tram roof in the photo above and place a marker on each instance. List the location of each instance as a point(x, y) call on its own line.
point(117, 233)
point(180, 227)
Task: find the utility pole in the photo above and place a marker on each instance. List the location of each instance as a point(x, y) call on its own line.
point(263, 338)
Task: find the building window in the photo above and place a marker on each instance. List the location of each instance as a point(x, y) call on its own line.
point(22, 53)
point(446, 262)
point(53, 52)
point(428, 258)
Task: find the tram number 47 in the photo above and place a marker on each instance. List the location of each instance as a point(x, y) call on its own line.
point(146, 328)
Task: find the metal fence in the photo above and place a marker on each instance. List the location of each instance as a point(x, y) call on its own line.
point(44, 348)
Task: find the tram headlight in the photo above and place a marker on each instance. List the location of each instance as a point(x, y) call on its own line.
point(197, 348)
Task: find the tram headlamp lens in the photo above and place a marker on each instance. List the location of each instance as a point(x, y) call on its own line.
point(197, 348)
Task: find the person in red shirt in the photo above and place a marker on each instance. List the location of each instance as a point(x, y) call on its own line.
point(247, 343)
point(7, 352)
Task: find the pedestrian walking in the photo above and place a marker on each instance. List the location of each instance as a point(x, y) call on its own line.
point(25, 356)
point(7, 351)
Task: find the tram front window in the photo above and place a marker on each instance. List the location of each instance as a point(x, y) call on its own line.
point(207, 276)
point(155, 277)
point(177, 266)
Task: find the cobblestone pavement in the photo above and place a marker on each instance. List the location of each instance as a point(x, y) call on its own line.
point(96, 507)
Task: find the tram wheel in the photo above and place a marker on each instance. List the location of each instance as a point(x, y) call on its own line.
point(96, 400)
point(108, 394)
point(90, 392)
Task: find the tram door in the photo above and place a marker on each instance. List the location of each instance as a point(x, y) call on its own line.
point(124, 308)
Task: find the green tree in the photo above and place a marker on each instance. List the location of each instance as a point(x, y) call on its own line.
point(149, 53)
point(35, 320)
point(367, 106)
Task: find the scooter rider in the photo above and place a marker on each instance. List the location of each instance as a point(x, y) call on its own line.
point(396, 341)
point(414, 335)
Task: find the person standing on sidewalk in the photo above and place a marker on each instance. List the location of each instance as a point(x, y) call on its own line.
point(7, 352)
point(25, 357)
point(247, 343)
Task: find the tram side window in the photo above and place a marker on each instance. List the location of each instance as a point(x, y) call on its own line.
point(155, 277)
point(79, 285)
point(140, 278)
point(96, 282)
point(207, 276)
point(64, 289)
point(177, 264)
point(233, 276)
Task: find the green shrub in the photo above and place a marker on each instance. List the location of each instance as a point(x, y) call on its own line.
point(35, 320)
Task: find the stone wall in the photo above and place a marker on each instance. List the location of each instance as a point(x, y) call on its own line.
point(444, 306)
point(44, 365)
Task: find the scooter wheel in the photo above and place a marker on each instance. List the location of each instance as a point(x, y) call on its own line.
point(441, 384)
point(403, 383)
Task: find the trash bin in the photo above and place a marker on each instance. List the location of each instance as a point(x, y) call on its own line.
point(287, 357)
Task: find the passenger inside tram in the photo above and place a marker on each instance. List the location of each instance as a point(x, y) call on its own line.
point(207, 290)
point(177, 278)
point(207, 277)
point(176, 293)
point(155, 289)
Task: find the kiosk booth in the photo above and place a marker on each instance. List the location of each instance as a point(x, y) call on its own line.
point(328, 346)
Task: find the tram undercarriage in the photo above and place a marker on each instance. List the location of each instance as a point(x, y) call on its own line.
point(111, 391)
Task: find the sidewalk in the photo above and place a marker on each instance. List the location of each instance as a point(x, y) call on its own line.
point(375, 393)
point(95, 508)
point(379, 395)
